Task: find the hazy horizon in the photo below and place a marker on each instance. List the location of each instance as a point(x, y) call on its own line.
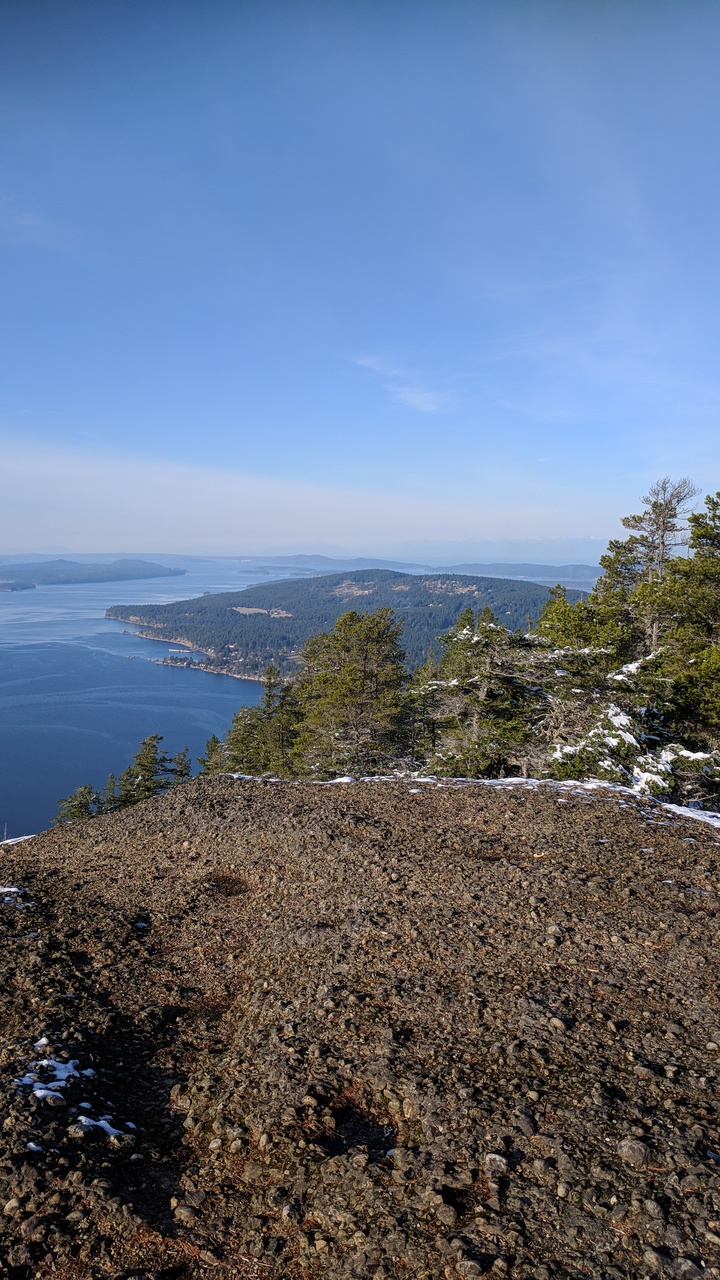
point(490, 553)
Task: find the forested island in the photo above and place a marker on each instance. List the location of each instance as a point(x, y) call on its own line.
point(240, 632)
point(24, 576)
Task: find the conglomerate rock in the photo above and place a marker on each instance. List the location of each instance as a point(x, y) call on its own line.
point(362, 1030)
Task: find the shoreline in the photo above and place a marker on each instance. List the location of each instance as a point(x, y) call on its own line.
point(199, 666)
point(188, 666)
point(184, 644)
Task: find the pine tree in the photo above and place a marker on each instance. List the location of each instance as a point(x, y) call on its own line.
point(261, 738)
point(641, 561)
point(661, 527)
point(109, 799)
point(483, 706)
point(690, 601)
point(147, 776)
point(179, 767)
point(214, 759)
point(349, 696)
point(281, 709)
point(563, 623)
point(245, 748)
point(78, 807)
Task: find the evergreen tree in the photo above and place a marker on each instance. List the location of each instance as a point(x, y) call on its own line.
point(349, 697)
point(690, 603)
point(109, 799)
point(563, 623)
point(661, 527)
point(148, 775)
point(483, 708)
point(84, 803)
point(179, 767)
point(261, 738)
point(214, 759)
point(245, 748)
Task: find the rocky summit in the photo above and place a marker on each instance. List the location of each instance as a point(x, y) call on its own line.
point(380, 1029)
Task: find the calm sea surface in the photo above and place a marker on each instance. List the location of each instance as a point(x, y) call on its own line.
point(77, 695)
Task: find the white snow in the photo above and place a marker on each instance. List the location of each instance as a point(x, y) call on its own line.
point(103, 1123)
point(621, 721)
point(9, 888)
point(60, 1073)
point(630, 668)
point(702, 815)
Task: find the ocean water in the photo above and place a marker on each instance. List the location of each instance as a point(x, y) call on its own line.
point(77, 694)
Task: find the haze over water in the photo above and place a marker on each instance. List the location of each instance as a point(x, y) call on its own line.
point(77, 694)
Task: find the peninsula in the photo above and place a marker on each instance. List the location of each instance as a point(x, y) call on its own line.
point(21, 576)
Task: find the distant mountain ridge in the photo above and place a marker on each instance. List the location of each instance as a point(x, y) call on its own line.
point(240, 632)
point(23, 576)
point(581, 576)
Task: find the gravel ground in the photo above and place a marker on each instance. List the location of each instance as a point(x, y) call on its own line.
point(362, 1030)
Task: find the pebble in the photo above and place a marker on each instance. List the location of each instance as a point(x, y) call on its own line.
point(633, 1152)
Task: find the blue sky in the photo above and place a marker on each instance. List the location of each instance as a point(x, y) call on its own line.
point(433, 279)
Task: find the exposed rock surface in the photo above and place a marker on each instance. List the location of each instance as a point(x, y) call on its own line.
point(362, 1030)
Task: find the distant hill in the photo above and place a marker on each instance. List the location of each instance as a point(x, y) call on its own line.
point(580, 576)
point(312, 563)
point(23, 577)
point(242, 631)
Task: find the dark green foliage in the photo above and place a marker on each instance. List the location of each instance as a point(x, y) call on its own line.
point(350, 696)
point(148, 774)
point(261, 739)
point(289, 613)
point(214, 759)
point(109, 799)
point(84, 803)
point(479, 706)
point(151, 772)
point(564, 623)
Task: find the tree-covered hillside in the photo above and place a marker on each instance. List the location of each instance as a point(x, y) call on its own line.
point(243, 631)
point(623, 686)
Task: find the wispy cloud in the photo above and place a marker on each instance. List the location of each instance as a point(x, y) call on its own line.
point(402, 387)
point(423, 401)
point(23, 226)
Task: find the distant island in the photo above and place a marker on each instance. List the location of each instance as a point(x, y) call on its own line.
point(24, 577)
point(576, 576)
point(240, 632)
